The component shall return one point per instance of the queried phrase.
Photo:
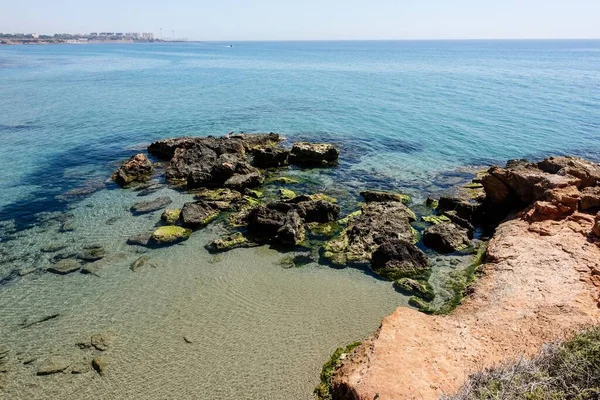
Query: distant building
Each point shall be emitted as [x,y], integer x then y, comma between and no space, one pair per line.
[148,36]
[35,35]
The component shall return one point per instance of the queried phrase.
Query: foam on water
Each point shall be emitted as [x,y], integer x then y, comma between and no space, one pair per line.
[405,114]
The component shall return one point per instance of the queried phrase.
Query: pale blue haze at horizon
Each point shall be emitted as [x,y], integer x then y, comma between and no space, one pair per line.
[233,20]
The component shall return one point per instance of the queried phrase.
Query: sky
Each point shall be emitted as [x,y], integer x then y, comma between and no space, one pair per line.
[232,20]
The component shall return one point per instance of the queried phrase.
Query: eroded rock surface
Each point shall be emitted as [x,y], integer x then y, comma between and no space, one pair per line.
[137,169]
[542,281]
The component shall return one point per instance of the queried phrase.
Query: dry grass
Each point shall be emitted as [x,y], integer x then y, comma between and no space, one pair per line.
[567,370]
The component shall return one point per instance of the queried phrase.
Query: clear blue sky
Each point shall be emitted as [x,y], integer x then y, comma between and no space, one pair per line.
[310,19]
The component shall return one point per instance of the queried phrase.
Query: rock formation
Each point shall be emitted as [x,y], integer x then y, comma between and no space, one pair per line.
[541,282]
[137,169]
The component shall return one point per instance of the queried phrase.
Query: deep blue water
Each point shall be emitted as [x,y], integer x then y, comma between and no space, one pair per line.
[400,110]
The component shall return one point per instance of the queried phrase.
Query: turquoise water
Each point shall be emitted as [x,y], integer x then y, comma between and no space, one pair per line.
[407,115]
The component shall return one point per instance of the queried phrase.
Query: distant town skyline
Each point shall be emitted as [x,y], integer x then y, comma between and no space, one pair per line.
[311,19]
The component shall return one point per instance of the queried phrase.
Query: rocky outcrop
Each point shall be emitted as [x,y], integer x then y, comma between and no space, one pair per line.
[553,188]
[542,281]
[446,237]
[270,157]
[137,169]
[377,223]
[313,154]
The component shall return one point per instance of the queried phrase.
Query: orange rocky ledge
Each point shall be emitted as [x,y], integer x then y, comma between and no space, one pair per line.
[540,283]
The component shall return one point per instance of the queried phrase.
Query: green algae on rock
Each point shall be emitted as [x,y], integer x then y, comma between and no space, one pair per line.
[282,180]
[324,197]
[323,390]
[286,194]
[170,216]
[435,219]
[170,234]
[379,196]
[229,242]
[220,194]
[411,287]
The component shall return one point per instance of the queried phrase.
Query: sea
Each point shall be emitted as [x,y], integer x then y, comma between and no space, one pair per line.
[416,117]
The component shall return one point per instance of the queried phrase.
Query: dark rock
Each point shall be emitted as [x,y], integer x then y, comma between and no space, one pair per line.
[465,209]
[292,231]
[270,157]
[241,182]
[463,223]
[396,258]
[318,211]
[378,220]
[446,238]
[375,195]
[144,207]
[137,169]
[590,198]
[197,214]
[265,222]
[196,159]
[313,154]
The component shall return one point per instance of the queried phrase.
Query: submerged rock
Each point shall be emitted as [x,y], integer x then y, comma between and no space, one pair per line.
[141,239]
[144,207]
[137,169]
[197,214]
[92,253]
[170,234]
[411,287]
[446,238]
[313,154]
[53,365]
[100,364]
[66,266]
[229,242]
[140,263]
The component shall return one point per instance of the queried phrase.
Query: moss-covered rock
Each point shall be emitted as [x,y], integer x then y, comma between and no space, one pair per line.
[222,194]
[323,390]
[435,219]
[378,195]
[415,288]
[324,197]
[286,194]
[170,216]
[229,242]
[346,220]
[282,180]
[327,229]
[419,304]
[170,234]
[254,193]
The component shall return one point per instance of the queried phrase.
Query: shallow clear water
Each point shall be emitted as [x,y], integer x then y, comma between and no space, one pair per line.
[406,115]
